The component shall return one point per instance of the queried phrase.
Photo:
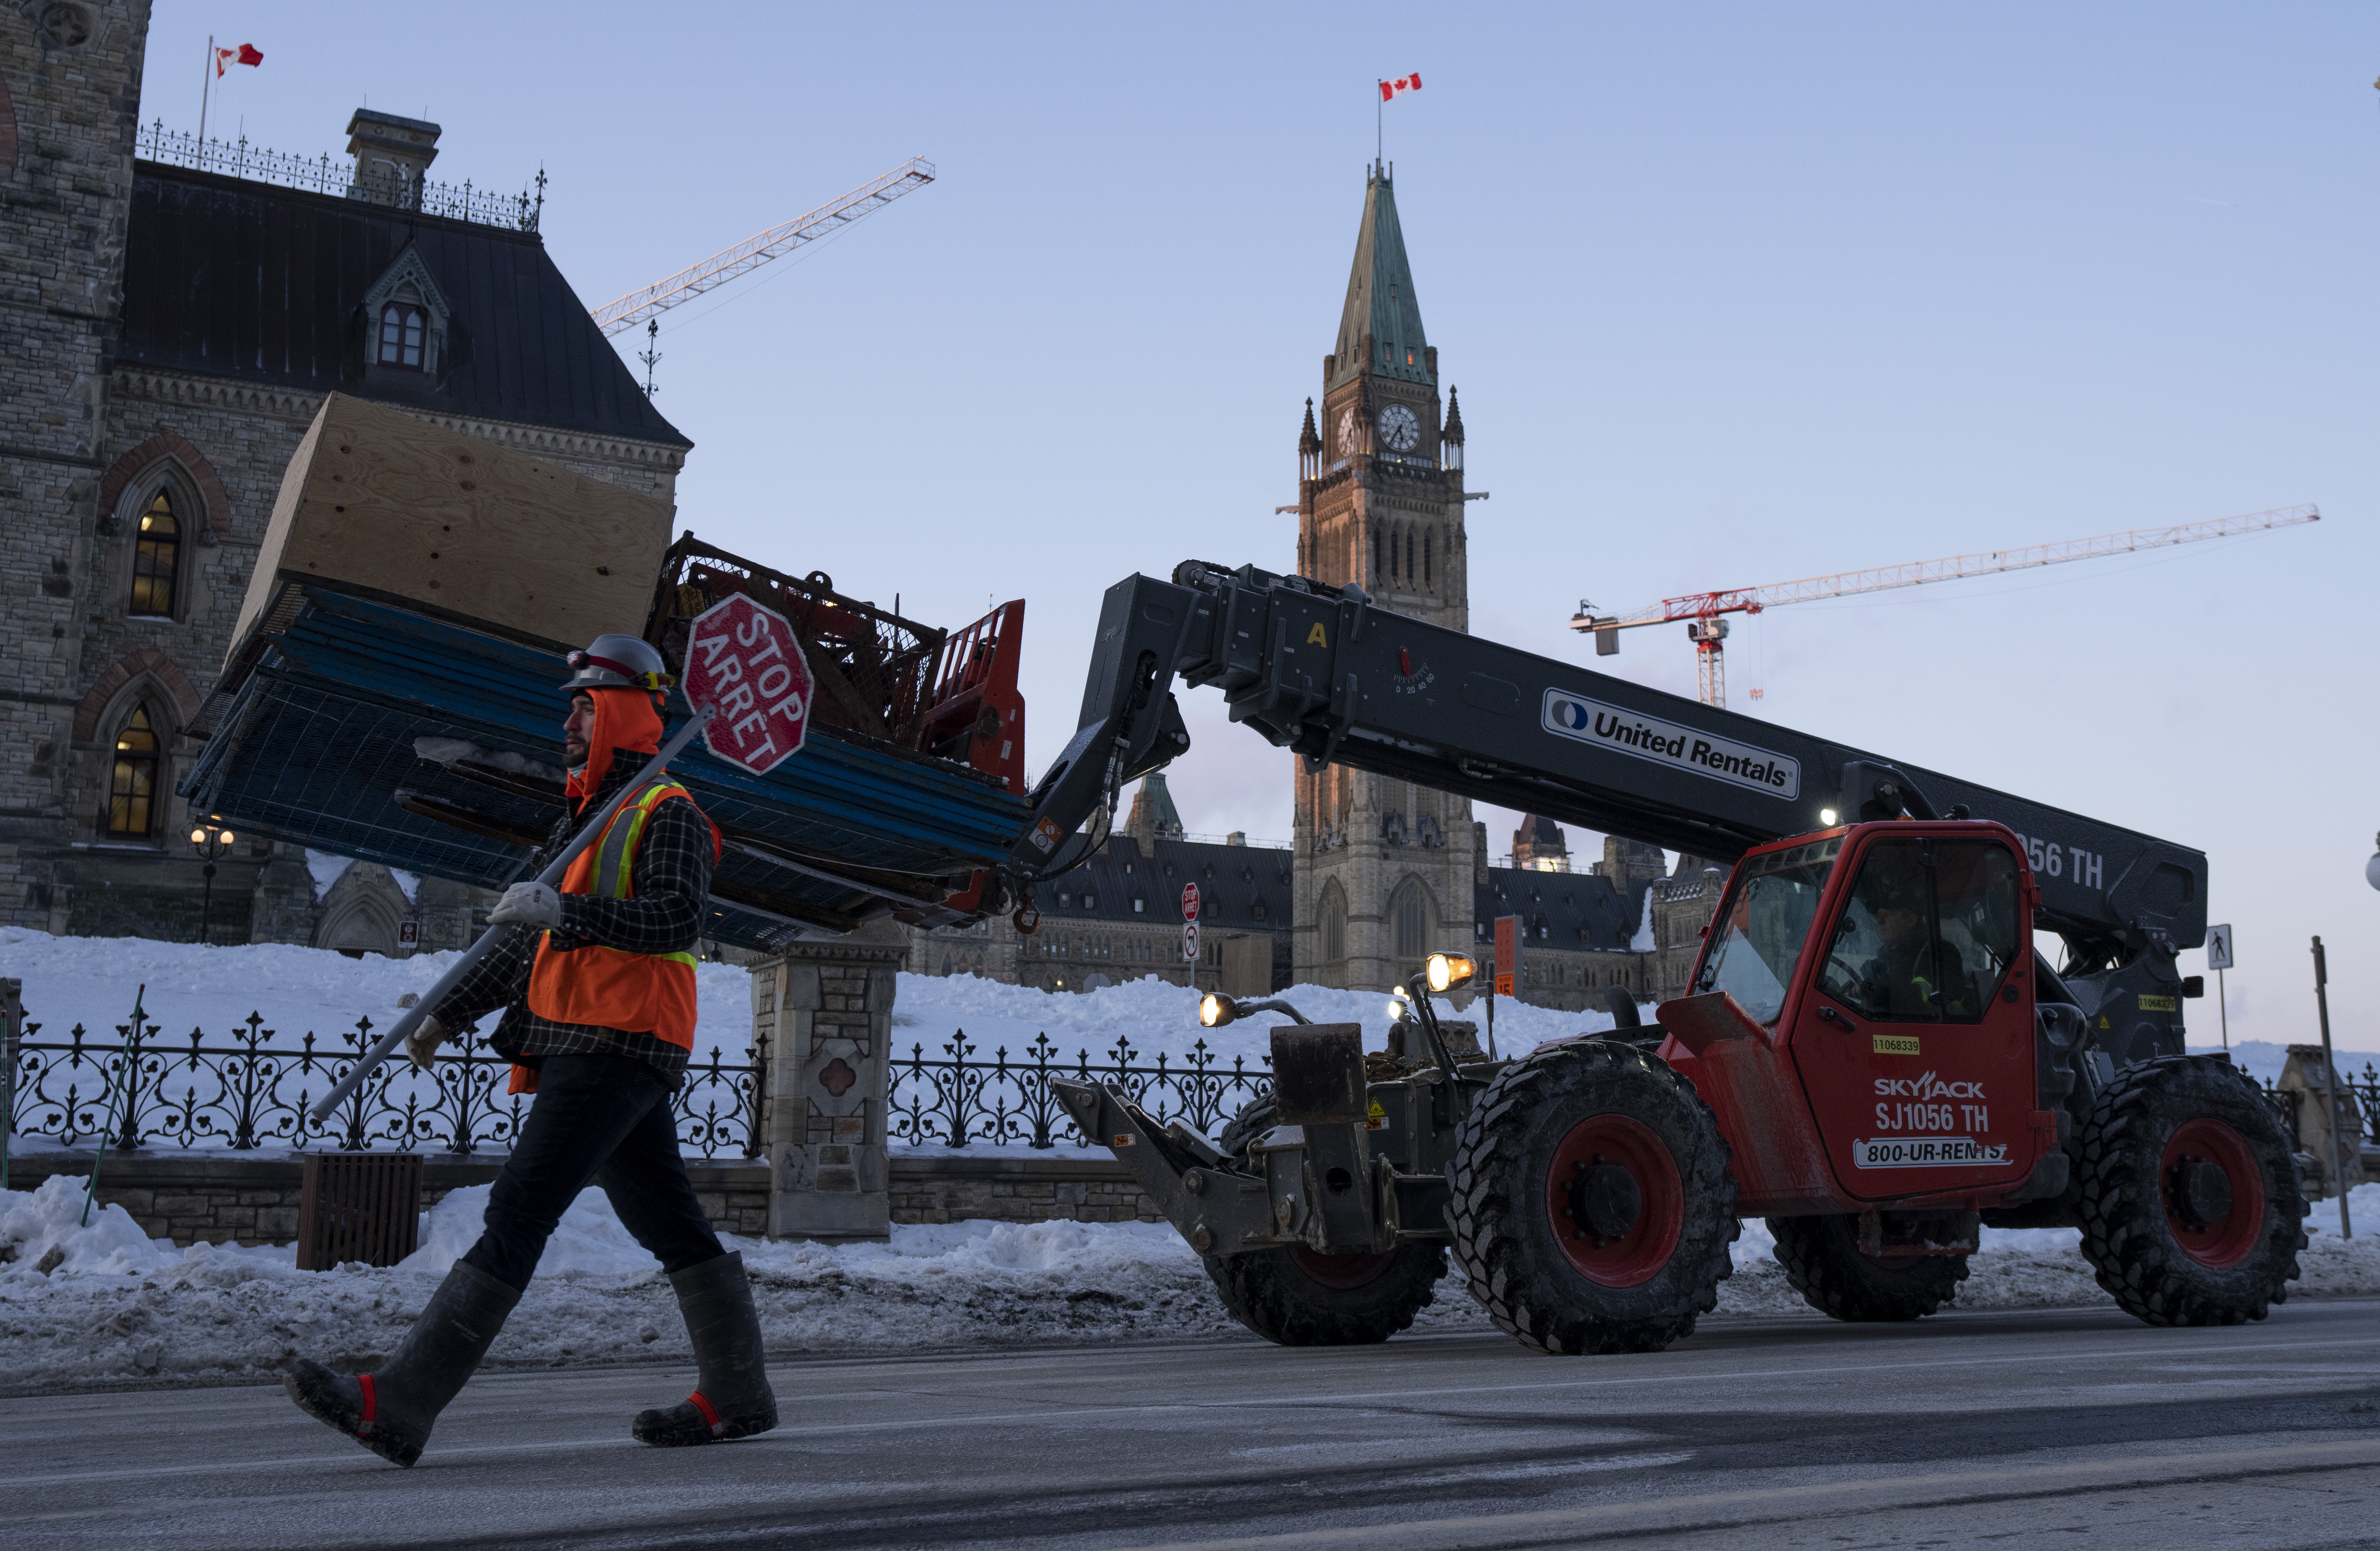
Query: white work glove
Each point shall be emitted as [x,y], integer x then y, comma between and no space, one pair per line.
[423,1042]
[527,905]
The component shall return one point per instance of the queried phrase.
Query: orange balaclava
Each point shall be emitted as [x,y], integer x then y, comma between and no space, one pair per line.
[624,719]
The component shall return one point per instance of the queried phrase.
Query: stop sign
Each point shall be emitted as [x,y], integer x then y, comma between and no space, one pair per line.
[1189,901]
[744,661]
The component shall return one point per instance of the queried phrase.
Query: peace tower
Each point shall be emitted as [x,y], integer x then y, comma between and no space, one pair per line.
[1383,871]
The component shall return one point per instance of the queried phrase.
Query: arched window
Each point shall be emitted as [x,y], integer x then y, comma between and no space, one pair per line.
[1334,924]
[1426,580]
[1410,912]
[1375,556]
[1409,566]
[156,558]
[134,782]
[402,326]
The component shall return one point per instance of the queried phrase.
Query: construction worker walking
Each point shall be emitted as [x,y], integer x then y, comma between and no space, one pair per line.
[597,981]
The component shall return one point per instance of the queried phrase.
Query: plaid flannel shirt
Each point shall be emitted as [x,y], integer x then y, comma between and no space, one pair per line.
[672,879]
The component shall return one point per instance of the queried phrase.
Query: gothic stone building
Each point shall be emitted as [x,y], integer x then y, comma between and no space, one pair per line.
[1384,869]
[166,334]
[1118,917]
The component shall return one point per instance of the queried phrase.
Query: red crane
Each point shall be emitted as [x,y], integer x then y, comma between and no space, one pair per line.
[1702,612]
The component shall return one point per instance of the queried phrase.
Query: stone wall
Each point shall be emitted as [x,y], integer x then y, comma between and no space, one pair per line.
[69,97]
[253,1198]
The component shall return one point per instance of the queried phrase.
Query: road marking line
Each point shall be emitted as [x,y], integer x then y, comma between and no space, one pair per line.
[1723,1509]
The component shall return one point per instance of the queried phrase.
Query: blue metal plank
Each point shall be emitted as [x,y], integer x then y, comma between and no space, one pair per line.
[319,737]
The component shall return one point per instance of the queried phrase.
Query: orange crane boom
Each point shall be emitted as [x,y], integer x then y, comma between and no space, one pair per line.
[1700,612]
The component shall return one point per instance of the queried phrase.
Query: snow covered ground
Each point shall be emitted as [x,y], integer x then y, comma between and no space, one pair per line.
[104,1305]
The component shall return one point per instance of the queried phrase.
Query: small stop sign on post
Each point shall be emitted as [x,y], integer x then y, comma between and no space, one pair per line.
[1189,901]
[743,659]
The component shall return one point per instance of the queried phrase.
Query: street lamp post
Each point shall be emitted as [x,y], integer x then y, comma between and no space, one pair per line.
[210,839]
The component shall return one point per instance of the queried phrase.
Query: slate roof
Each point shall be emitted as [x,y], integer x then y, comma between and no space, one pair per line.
[1577,911]
[1241,888]
[223,277]
[1381,298]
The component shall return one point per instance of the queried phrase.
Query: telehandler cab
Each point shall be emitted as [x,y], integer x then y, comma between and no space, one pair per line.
[1872,1053]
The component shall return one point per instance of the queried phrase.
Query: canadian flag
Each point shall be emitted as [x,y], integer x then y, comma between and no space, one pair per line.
[248,54]
[1392,90]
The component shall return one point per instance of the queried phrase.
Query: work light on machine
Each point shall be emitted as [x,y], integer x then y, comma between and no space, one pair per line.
[1446,970]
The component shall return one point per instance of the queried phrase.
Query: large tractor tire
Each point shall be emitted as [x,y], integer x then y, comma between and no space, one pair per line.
[1298,1298]
[2191,1206]
[1824,1264]
[1592,1203]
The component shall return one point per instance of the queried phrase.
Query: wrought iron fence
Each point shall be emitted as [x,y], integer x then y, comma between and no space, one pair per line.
[2364,1090]
[956,1099]
[323,176]
[249,1091]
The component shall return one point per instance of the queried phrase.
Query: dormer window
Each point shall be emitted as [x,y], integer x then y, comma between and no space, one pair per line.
[403,327]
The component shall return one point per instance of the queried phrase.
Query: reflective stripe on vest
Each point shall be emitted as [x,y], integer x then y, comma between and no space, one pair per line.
[608,987]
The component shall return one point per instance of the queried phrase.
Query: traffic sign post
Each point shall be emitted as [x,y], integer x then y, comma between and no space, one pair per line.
[2218,959]
[1190,931]
[1500,974]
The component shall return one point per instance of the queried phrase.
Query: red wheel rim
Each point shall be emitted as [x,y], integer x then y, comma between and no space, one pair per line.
[1637,1254]
[2212,1240]
[1340,1272]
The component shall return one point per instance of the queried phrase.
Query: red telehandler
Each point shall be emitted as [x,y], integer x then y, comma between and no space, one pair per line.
[1871,1055]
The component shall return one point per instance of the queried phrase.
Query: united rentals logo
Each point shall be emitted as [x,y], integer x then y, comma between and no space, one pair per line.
[1587,721]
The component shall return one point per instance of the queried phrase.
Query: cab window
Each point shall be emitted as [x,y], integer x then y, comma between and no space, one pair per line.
[1757,936]
[1927,932]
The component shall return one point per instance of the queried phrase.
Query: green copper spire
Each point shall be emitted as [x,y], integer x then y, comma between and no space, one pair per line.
[1381,298]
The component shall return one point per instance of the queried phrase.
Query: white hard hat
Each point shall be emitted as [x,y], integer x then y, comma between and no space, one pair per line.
[616,661]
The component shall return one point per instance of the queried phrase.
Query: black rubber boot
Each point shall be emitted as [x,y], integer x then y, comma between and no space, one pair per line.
[392,1410]
[732,1398]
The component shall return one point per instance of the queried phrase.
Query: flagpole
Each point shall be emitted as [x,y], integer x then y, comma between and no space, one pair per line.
[1378,113]
[206,84]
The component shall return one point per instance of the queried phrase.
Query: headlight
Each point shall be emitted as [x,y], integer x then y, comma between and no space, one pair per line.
[1447,971]
[1827,818]
[1215,1009]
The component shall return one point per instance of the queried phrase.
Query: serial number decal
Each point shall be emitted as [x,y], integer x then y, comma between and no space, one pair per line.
[2156,1004]
[1895,1044]
[2053,861]
[1926,1151]
[1608,726]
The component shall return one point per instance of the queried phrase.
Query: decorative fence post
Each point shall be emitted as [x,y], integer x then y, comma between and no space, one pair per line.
[828,1031]
[12,1023]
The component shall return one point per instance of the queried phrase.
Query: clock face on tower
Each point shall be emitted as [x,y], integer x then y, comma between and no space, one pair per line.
[1347,431]
[1400,428]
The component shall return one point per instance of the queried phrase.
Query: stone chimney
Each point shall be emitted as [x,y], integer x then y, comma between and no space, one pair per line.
[392,154]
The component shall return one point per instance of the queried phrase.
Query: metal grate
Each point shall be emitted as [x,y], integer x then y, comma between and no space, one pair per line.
[358,1206]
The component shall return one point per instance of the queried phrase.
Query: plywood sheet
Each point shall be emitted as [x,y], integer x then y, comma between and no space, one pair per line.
[381,499]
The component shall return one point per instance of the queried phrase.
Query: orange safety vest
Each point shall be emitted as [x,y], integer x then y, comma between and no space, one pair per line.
[641,992]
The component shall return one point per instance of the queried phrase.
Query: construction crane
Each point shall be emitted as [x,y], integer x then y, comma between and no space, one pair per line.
[1703,612]
[639,306]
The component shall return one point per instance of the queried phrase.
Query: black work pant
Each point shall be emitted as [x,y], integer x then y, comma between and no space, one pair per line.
[603,1120]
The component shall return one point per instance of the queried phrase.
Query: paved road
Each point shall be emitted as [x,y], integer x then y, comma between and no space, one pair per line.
[1967,1428]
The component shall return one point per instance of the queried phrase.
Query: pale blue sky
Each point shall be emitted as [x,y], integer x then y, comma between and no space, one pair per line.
[1733,294]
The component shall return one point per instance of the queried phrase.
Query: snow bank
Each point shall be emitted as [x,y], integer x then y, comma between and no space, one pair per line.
[90,981]
[115,1307]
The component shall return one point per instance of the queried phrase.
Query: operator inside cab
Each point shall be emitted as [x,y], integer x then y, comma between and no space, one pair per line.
[1927,932]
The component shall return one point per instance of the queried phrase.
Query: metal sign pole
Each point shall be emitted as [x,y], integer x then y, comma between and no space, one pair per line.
[107,1110]
[551,877]
[2339,1141]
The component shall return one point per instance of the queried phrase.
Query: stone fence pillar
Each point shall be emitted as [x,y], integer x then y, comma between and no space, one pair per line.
[822,1028]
